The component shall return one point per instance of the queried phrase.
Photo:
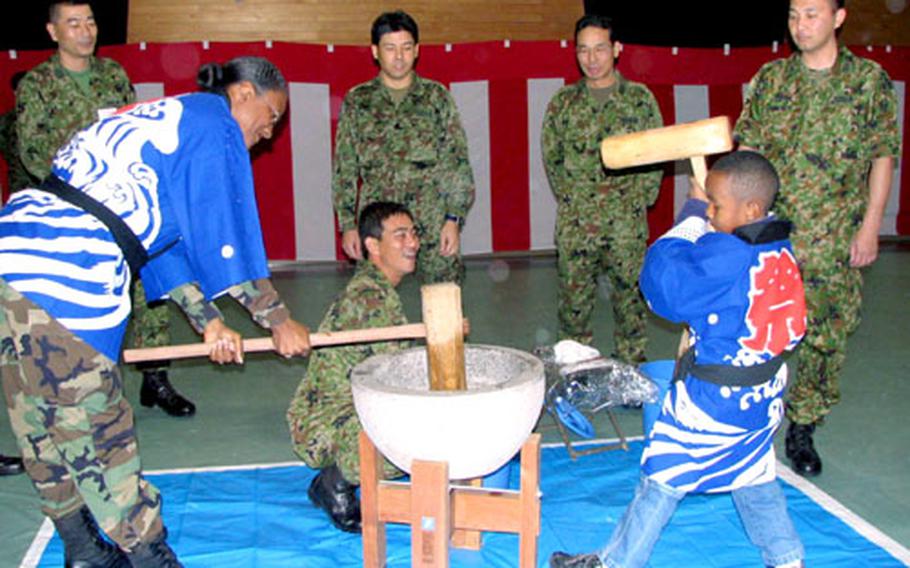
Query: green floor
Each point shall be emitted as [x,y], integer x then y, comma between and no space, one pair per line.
[240,418]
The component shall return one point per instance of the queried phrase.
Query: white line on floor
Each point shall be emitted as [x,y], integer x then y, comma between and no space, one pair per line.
[833,506]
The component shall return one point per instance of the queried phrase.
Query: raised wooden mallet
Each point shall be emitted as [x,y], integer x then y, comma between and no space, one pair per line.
[691,140]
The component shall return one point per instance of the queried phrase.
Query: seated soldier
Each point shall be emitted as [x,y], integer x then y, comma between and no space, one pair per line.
[323,423]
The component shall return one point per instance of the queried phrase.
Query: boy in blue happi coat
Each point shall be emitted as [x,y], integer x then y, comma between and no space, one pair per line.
[727,270]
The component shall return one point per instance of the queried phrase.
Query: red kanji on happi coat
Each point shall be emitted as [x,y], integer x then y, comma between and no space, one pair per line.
[777,306]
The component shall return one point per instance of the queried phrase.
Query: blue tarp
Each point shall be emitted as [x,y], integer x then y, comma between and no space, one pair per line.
[262,517]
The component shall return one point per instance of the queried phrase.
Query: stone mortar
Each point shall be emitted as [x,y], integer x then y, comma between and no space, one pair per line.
[475,431]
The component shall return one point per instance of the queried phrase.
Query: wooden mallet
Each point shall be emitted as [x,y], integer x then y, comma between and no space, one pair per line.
[444,329]
[445,336]
[260,344]
[692,140]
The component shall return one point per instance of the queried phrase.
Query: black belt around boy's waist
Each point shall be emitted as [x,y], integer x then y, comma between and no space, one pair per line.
[727,375]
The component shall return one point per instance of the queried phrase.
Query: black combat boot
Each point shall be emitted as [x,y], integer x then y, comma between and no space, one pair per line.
[157,390]
[154,554]
[333,494]
[804,460]
[563,560]
[10,465]
[83,545]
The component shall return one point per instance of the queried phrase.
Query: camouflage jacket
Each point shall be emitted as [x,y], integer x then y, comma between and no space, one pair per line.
[574,126]
[413,153]
[369,300]
[51,107]
[821,130]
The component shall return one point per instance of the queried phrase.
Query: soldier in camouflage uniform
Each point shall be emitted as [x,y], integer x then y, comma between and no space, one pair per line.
[400,137]
[55,100]
[601,223]
[323,423]
[827,120]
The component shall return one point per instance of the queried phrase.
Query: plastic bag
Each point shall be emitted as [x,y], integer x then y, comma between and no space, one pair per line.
[589,384]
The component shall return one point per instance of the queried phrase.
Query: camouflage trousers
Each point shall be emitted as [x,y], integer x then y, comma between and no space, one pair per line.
[833,301]
[325,430]
[72,424]
[614,247]
[149,326]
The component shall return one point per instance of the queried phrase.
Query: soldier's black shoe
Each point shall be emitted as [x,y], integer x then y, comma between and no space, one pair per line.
[157,391]
[804,460]
[563,560]
[10,465]
[155,554]
[333,494]
[83,545]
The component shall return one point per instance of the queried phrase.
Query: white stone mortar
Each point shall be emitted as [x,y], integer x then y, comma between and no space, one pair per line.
[475,431]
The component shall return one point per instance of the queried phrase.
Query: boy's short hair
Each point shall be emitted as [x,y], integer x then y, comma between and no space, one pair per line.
[752,176]
[371,218]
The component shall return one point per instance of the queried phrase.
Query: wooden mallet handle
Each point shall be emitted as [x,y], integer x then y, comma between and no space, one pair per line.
[185,351]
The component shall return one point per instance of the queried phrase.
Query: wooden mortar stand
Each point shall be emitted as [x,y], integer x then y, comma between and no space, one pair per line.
[436,510]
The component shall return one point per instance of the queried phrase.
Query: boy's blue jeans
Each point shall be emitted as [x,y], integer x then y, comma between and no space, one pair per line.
[762,509]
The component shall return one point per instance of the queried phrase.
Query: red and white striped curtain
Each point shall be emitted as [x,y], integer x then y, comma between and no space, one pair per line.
[502,90]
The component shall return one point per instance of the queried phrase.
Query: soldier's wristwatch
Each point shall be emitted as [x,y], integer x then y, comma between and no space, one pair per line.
[450,217]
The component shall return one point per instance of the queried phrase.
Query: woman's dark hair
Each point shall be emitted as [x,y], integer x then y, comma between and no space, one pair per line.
[262,73]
